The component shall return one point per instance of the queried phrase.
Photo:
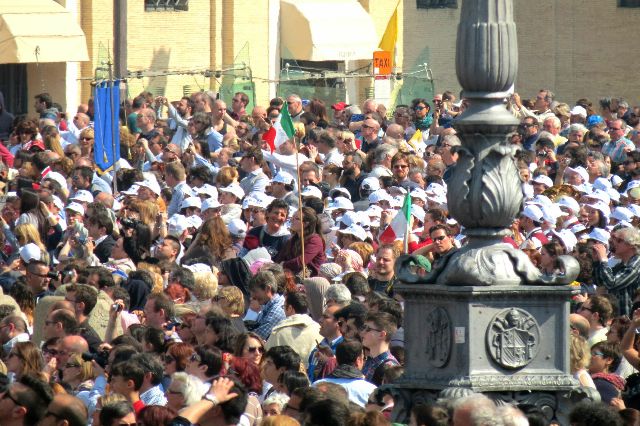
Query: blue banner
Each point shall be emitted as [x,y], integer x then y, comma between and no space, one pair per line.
[106,148]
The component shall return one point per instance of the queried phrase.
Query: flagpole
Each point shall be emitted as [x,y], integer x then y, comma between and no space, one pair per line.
[408,230]
[301,218]
[114,120]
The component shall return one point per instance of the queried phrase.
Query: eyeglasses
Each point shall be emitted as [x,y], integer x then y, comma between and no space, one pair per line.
[86,139]
[195,358]
[367,329]
[254,349]
[527,124]
[440,238]
[400,166]
[600,354]
[168,359]
[419,108]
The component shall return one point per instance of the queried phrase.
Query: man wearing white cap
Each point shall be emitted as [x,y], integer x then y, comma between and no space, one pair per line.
[530,222]
[541,183]
[282,188]
[148,190]
[231,194]
[578,115]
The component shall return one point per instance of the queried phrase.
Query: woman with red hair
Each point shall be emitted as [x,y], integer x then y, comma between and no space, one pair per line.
[176,357]
[249,374]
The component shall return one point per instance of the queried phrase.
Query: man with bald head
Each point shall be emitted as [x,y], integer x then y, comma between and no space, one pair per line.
[259,116]
[65,409]
[13,329]
[69,346]
[395,131]
[78,124]
[369,134]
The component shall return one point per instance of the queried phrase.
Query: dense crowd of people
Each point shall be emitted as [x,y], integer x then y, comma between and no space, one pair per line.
[212,277]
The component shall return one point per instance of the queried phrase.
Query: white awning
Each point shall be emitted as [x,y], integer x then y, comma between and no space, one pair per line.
[326,30]
[39,31]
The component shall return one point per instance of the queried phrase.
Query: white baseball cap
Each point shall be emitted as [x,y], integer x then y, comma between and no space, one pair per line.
[578,110]
[83,196]
[370,184]
[177,224]
[194,221]
[210,203]
[339,192]
[378,196]
[75,207]
[235,189]
[58,178]
[283,177]
[312,191]
[533,212]
[569,203]
[418,212]
[355,230]
[207,189]
[191,202]
[544,180]
[151,184]
[600,235]
[340,203]
[601,207]
[622,214]
[29,252]
[237,228]
[579,170]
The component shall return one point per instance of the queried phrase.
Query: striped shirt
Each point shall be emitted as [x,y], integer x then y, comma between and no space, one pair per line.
[621,281]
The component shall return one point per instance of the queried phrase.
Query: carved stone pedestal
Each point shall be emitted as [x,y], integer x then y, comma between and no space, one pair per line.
[508,342]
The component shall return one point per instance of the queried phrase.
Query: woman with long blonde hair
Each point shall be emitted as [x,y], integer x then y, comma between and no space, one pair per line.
[86,140]
[213,242]
[51,139]
[25,359]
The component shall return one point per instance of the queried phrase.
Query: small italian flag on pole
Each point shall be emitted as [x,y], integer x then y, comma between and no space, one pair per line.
[399,226]
[280,132]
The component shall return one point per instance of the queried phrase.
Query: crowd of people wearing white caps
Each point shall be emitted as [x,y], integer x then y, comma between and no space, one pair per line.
[220,275]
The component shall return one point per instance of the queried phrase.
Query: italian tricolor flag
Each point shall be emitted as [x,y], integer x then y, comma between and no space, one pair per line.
[399,226]
[281,131]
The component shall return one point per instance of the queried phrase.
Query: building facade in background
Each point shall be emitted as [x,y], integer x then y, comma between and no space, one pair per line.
[323,48]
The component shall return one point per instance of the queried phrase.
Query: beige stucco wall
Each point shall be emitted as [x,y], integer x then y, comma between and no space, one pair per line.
[577,48]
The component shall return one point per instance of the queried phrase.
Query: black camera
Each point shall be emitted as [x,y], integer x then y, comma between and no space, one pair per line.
[129,223]
[54,275]
[102,358]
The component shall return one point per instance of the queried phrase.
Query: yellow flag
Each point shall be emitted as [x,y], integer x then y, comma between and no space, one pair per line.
[388,42]
[415,139]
